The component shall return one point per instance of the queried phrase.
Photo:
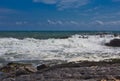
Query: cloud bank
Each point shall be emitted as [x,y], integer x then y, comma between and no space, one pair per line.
[46,1]
[64,4]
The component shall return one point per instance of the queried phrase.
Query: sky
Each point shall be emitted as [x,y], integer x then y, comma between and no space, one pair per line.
[52,15]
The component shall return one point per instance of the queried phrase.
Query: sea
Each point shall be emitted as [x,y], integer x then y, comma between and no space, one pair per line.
[56,46]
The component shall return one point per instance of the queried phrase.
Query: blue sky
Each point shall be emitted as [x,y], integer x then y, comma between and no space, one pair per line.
[60,15]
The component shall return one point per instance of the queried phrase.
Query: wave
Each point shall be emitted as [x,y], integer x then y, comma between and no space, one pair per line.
[75,48]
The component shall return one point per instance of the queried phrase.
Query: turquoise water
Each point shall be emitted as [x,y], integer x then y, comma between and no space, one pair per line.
[46,34]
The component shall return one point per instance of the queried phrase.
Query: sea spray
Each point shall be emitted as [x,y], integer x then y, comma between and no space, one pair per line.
[73,48]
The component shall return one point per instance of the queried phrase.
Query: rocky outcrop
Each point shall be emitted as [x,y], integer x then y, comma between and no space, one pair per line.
[18,69]
[83,71]
[80,71]
[114,43]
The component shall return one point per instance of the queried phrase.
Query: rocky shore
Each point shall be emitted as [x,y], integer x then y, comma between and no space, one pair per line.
[80,71]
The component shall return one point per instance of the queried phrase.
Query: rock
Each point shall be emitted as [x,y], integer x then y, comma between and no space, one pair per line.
[114,43]
[5,76]
[86,71]
[2,75]
[31,69]
[9,79]
[43,66]
[18,68]
[116,35]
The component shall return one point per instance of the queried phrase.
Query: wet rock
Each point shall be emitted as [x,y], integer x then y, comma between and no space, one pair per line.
[114,43]
[2,75]
[31,69]
[82,71]
[116,35]
[43,66]
[18,68]
[9,79]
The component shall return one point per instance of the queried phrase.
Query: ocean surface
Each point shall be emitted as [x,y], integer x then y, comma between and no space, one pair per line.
[48,46]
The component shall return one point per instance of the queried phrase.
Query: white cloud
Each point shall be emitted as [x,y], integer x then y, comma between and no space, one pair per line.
[113,22]
[51,22]
[21,22]
[74,22]
[7,11]
[55,22]
[105,23]
[64,4]
[99,22]
[60,22]
[46,1]
[115,0]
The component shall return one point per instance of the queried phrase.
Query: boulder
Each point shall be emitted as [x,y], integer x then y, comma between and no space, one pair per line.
[18,68]
[43,66]
[114,43]
[116,35]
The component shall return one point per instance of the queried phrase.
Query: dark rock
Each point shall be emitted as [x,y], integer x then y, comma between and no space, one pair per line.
[9,79]
[43,66]
[2,75]
[64,37]
[115,35]
[114,43]
[18,68]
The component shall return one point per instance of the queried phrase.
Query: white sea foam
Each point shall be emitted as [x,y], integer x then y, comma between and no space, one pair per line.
[71,49]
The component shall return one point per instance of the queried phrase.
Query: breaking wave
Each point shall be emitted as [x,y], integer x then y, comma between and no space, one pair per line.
[74,48]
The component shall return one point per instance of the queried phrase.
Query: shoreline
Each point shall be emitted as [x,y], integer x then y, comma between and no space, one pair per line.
[72,71]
